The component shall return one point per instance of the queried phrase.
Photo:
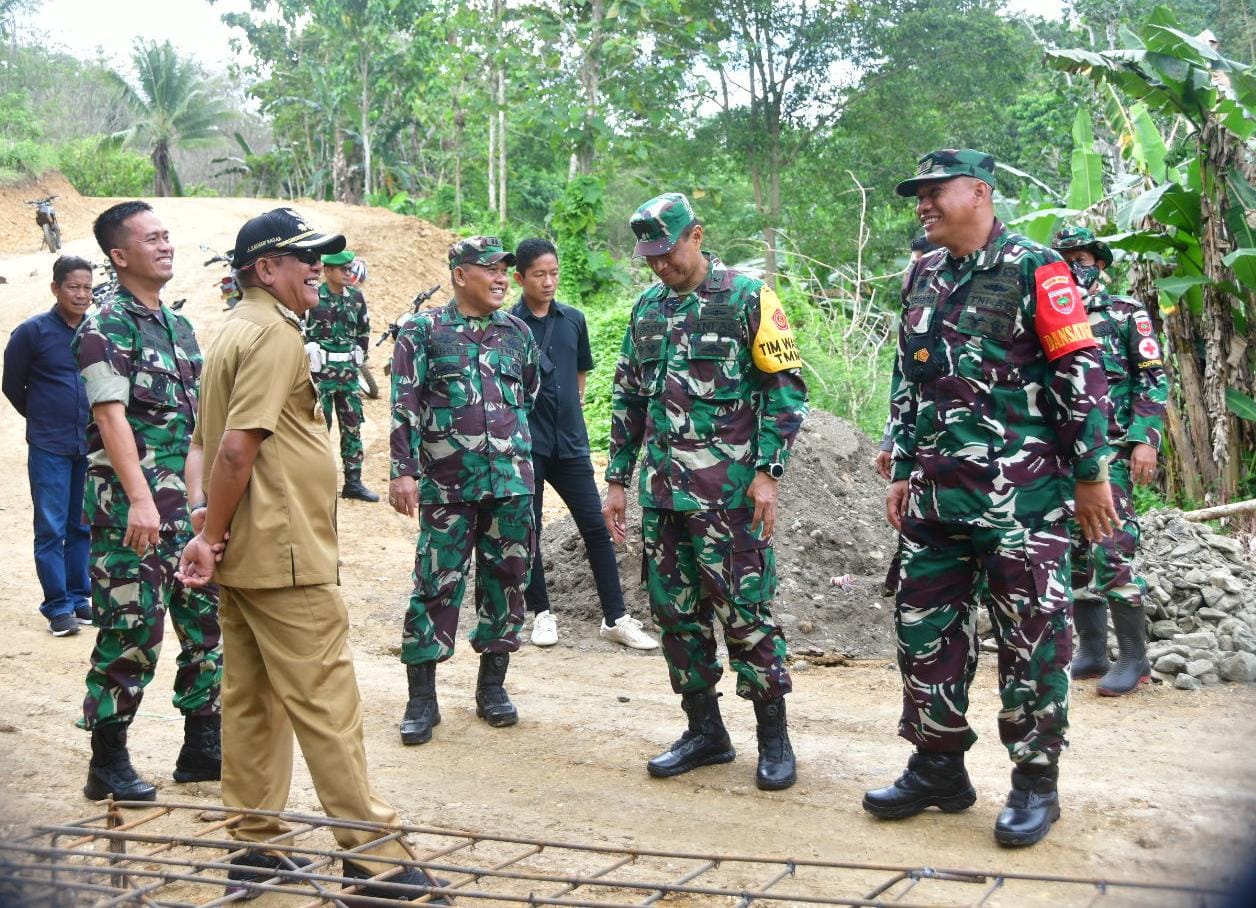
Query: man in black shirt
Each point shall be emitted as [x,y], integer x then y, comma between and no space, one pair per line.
[560,445]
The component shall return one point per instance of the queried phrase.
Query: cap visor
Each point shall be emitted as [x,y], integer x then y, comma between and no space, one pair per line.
[321,243]
[653,247]
[908,188]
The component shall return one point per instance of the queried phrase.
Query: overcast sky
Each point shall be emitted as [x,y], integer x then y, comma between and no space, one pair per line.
[193,26]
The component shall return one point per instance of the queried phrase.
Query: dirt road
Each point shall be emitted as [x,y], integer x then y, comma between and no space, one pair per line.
[1155,786]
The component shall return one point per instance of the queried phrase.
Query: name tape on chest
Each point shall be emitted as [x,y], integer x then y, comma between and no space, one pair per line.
[774,348]
[1060,318]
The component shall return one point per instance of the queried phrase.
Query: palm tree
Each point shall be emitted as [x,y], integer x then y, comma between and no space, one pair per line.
[175,107]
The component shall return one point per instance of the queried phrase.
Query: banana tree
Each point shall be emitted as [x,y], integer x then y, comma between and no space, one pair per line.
[1190,226]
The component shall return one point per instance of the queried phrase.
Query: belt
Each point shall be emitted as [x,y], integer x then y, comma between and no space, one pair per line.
[337,357]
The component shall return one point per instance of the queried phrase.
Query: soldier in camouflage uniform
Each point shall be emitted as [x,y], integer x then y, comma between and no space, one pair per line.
[464,377]
[337,332]
[709,381]
[1103,572]
[140,365]
[998,416]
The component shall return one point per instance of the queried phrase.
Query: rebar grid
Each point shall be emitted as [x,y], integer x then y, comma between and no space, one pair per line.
[142,853]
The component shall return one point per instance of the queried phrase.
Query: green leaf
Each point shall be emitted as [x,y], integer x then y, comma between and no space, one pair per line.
[1144,241]
[1148,146]
[1179,207]
[1240,404]
[1177,285]
[1241,214]
[1131,214]
[1086,187]
[1243,263]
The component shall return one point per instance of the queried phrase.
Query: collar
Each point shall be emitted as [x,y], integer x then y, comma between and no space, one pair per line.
[718,278]
[263,298]
[983,259]
[450,315]
[521,310]
[1097,301]
[56,314]
[126,299]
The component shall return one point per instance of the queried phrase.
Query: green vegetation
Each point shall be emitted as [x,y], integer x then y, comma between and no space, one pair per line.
[787,123]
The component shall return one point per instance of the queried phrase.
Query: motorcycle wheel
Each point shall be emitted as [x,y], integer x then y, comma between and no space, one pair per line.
[366,381]
[52,237]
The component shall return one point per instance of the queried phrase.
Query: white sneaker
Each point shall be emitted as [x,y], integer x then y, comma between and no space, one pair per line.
[545,629]
[627,630]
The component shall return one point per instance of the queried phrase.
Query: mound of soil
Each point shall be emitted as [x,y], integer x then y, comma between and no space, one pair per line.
[832,549]
[20,234]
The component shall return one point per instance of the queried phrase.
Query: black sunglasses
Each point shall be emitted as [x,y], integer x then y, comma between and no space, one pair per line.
[304,256]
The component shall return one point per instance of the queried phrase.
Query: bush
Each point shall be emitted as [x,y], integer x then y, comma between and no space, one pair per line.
[97,167]
[608,320]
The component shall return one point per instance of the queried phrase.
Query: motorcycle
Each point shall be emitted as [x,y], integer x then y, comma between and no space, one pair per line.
[104,291]
[46,218]
[228,286]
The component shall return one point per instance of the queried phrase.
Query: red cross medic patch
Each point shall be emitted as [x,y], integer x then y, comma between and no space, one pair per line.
[1060,317]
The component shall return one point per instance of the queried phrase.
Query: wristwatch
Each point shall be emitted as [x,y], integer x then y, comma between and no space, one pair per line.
[775,470]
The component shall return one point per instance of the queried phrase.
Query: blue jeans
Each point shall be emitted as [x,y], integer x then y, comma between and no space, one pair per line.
[62,541]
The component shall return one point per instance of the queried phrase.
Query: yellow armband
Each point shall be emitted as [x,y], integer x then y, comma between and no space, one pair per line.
[774,348]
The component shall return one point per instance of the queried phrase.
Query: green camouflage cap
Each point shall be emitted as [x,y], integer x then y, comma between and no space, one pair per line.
[947,163]
[479,250]
[343,257]
[1082,238]
[659,223]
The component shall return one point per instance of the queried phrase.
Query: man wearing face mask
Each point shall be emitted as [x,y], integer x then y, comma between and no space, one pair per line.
[1103,572]
[464,378]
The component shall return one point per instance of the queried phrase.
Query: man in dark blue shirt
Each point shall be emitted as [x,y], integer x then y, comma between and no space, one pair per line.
[560,445]
[41,380]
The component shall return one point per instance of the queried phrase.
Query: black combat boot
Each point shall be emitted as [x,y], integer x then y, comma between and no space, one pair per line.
[110,773]
[1032,806]
[704,743]
[776,757]
[492,703]
[1090,651]
[932,779]
[422,713]
[405,884]
[354,488]
[1131,666]
[200,758]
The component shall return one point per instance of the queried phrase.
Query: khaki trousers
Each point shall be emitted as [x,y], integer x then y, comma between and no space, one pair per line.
[287,667]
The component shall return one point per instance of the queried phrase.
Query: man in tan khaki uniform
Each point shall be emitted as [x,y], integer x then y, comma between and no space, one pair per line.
[269,536]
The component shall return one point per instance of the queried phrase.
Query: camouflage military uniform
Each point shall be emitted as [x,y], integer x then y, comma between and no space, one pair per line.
[990,445]
[461,391]
[149,361]
[1138,391]
[690,387]
[339,324]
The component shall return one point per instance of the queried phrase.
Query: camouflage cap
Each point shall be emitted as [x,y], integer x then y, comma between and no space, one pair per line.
[946,164]
[479,250]
[1081,238]
[280,230]
[343,257]
[659,223]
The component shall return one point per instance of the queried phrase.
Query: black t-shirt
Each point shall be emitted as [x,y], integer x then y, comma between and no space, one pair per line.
[557,421]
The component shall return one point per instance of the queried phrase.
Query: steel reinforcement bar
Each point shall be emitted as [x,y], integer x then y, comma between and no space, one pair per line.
[177,854]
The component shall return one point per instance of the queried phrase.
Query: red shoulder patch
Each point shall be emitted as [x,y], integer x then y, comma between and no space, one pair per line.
[1059,317]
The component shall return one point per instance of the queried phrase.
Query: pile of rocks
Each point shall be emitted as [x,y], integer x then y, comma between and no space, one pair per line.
[1201,602]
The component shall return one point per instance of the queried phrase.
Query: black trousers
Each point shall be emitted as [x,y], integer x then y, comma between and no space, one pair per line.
[572,479]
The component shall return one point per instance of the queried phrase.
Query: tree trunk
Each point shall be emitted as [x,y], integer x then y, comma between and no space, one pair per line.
[492,163]
[162,165]
[339,168]
[591,86]
[501,146]
[366,123]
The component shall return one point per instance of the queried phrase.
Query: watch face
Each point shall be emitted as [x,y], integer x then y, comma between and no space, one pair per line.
[775,470]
